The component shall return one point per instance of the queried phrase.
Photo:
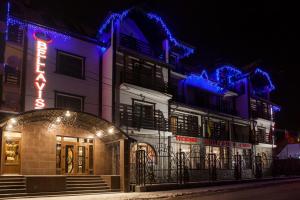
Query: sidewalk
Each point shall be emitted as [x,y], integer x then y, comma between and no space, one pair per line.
[165,194]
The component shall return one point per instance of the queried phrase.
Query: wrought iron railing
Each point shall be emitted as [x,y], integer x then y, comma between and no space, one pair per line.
[263,137]
[149,81]
[176,166]
[136,45]
[185,125]
[131,118]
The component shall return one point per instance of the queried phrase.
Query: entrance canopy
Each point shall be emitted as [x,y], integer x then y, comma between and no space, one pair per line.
[54,118]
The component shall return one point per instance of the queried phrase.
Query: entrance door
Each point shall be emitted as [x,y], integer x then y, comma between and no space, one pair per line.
[75,158]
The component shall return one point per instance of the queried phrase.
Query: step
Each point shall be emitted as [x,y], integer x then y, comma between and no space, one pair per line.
[12,183]
[83,177]
[87,188]
[5,196]
[12,179]
[87,191]
[87,185]
[77,178]
[12,191]
[12,186]
[85,182]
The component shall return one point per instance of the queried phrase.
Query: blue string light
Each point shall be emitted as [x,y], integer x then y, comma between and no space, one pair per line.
[204,74]
[7,17]
[276,108]
[157,19]
[117,17]
[199,81]
[270,87]
[111,18]
[231,73]
[14,21]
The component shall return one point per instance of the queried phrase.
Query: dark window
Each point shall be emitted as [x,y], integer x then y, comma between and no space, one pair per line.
[11,75]
[143,115]
[15,34]
[72,102]
[70,65]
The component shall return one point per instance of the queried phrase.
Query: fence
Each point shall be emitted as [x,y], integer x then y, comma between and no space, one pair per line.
[171,165]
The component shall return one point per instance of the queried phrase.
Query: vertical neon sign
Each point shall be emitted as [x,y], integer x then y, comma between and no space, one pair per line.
[40,65]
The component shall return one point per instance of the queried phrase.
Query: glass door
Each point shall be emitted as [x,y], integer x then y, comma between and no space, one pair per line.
[69,158]
[75,158]
[82,159]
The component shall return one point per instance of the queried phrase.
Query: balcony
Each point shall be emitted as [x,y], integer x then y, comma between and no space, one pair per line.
[261,109]
[261,114]
[140,47]
[144,75]
[263,137]
[186,125]
[131,117]
[216,130]
[11,75]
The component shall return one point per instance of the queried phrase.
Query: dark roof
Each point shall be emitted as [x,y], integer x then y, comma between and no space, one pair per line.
[57,20]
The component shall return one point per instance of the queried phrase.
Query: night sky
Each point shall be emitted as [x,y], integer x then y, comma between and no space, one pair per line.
[262,33]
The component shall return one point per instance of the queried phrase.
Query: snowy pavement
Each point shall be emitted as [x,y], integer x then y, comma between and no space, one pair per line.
[162,194]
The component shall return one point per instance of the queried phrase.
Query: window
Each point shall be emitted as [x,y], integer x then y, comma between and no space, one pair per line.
[73,102]
[174,124]
[15,34]
[70,65]
[143,114]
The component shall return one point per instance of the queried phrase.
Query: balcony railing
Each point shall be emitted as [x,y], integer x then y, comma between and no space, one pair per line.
[185,125]
[263,137]
[223,108]
[11,75]
[216,131]
[131,118]
[261,114]
[146,80]
[261,109]
[139,46]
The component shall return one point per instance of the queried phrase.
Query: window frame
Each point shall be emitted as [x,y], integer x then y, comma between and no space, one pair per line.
[58,51]
[56,93]
[20,30]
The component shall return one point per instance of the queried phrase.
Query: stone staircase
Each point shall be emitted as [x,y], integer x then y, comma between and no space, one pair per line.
[12,186]
[86,184]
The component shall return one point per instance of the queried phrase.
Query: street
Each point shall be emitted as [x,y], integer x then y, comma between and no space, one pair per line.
[274,190]
[277,192]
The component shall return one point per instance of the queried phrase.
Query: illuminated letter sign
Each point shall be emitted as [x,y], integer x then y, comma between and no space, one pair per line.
[40,64]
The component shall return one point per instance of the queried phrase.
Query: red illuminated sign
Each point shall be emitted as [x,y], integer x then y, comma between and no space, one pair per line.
[210,142]
[40,64]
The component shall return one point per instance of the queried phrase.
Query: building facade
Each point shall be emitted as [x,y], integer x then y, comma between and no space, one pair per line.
[122,104]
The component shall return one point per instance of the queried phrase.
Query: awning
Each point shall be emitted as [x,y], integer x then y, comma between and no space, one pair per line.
[54,117]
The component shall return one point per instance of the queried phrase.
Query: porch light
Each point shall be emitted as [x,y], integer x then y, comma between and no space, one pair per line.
[9,126]
[12,121]
[100,133]
[58,119]
[110,130]
[68,114]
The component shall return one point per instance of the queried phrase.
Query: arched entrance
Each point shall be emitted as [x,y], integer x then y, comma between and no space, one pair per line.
[62,142]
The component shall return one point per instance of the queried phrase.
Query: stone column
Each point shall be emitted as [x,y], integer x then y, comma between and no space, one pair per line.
[124,165]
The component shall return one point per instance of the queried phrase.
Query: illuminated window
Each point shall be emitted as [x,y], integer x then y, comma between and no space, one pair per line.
[69,101]
[12,151]
[70,64]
